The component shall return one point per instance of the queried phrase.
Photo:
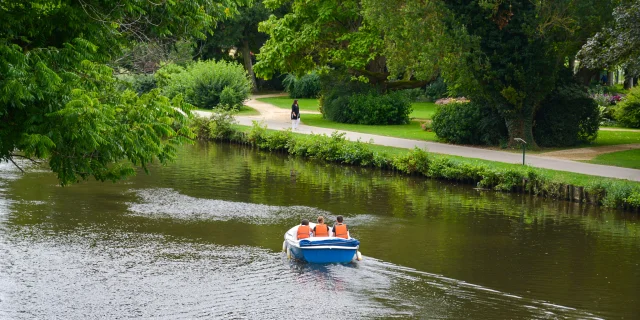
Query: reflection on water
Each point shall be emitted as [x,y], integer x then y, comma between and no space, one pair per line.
[201,239]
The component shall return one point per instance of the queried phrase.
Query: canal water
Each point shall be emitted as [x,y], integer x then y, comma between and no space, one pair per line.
[202,238]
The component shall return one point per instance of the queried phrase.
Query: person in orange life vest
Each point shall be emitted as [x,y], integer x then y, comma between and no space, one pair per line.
[321,229]
[340,229]
[304,231]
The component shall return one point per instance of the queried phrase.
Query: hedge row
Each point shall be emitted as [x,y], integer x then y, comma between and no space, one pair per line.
[336,148]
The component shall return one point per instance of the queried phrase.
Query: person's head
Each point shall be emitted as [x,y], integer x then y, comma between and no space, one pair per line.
[295,101]
[339,219]
[320,219]
[304,222]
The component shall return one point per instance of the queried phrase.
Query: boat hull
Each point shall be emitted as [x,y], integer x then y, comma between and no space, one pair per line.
[320,249]
[326,255]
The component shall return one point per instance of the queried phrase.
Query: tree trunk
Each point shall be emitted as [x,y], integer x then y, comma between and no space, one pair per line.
[248,65]
[628,82]
[610,81]
[521,126]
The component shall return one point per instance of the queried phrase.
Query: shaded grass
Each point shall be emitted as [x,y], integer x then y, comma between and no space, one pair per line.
[423,110]
[626,159]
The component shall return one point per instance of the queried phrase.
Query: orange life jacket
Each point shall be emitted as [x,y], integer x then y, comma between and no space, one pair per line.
[322,230]
[304,232]
[341,231]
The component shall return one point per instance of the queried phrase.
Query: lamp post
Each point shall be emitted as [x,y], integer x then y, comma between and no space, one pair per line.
[524,147]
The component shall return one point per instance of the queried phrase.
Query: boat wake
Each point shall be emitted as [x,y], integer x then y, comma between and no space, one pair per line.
[165,202]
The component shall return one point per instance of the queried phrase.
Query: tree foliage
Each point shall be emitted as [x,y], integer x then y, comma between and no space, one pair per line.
[327,34]
[58,98]
[628,111]
[206,84]
[567,116]
[618,43]
[504,53]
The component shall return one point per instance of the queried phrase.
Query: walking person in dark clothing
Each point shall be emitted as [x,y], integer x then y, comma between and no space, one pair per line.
[295,115]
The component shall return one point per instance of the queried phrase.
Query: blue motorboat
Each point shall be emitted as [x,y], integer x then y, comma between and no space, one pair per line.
[320,249]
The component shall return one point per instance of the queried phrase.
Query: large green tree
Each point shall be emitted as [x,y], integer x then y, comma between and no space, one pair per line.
[239,32]
[505,54]
[618,43]
[328,34]
[58,98]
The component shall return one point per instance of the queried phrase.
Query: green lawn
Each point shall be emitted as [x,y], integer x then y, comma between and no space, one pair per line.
[248,111]
[421,110]
[286,102]
[626,159]
[608,138]
[407,131]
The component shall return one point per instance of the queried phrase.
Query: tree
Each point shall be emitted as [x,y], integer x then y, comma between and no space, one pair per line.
[617,44]
[504,54]
[327,34]
[239,32]
[58,98]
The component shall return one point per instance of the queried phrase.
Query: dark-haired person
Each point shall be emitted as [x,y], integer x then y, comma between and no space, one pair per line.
[295,115]
[304,231]
[340,229]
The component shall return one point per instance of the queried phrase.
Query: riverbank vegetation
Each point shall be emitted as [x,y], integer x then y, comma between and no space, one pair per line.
[484,174]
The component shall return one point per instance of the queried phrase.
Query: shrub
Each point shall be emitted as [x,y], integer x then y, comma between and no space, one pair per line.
[139,82]
[218,127]
[166,71]
[469,123]
[436,90]
[307,86]
[627,112]
[348,101]
[568,116]
[204,82]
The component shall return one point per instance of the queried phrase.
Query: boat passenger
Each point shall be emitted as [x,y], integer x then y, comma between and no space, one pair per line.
[321,229]
[304,231]
[340,229]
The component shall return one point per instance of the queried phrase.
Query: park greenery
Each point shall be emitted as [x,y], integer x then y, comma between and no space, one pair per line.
[60,100]
[484,174]
[627,112]
[507,56]
[97,88]
[306,86]
[206,84]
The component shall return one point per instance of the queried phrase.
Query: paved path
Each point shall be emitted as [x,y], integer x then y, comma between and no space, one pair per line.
[278,119]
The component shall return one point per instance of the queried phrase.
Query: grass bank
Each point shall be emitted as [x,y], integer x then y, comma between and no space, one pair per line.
[485,174]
